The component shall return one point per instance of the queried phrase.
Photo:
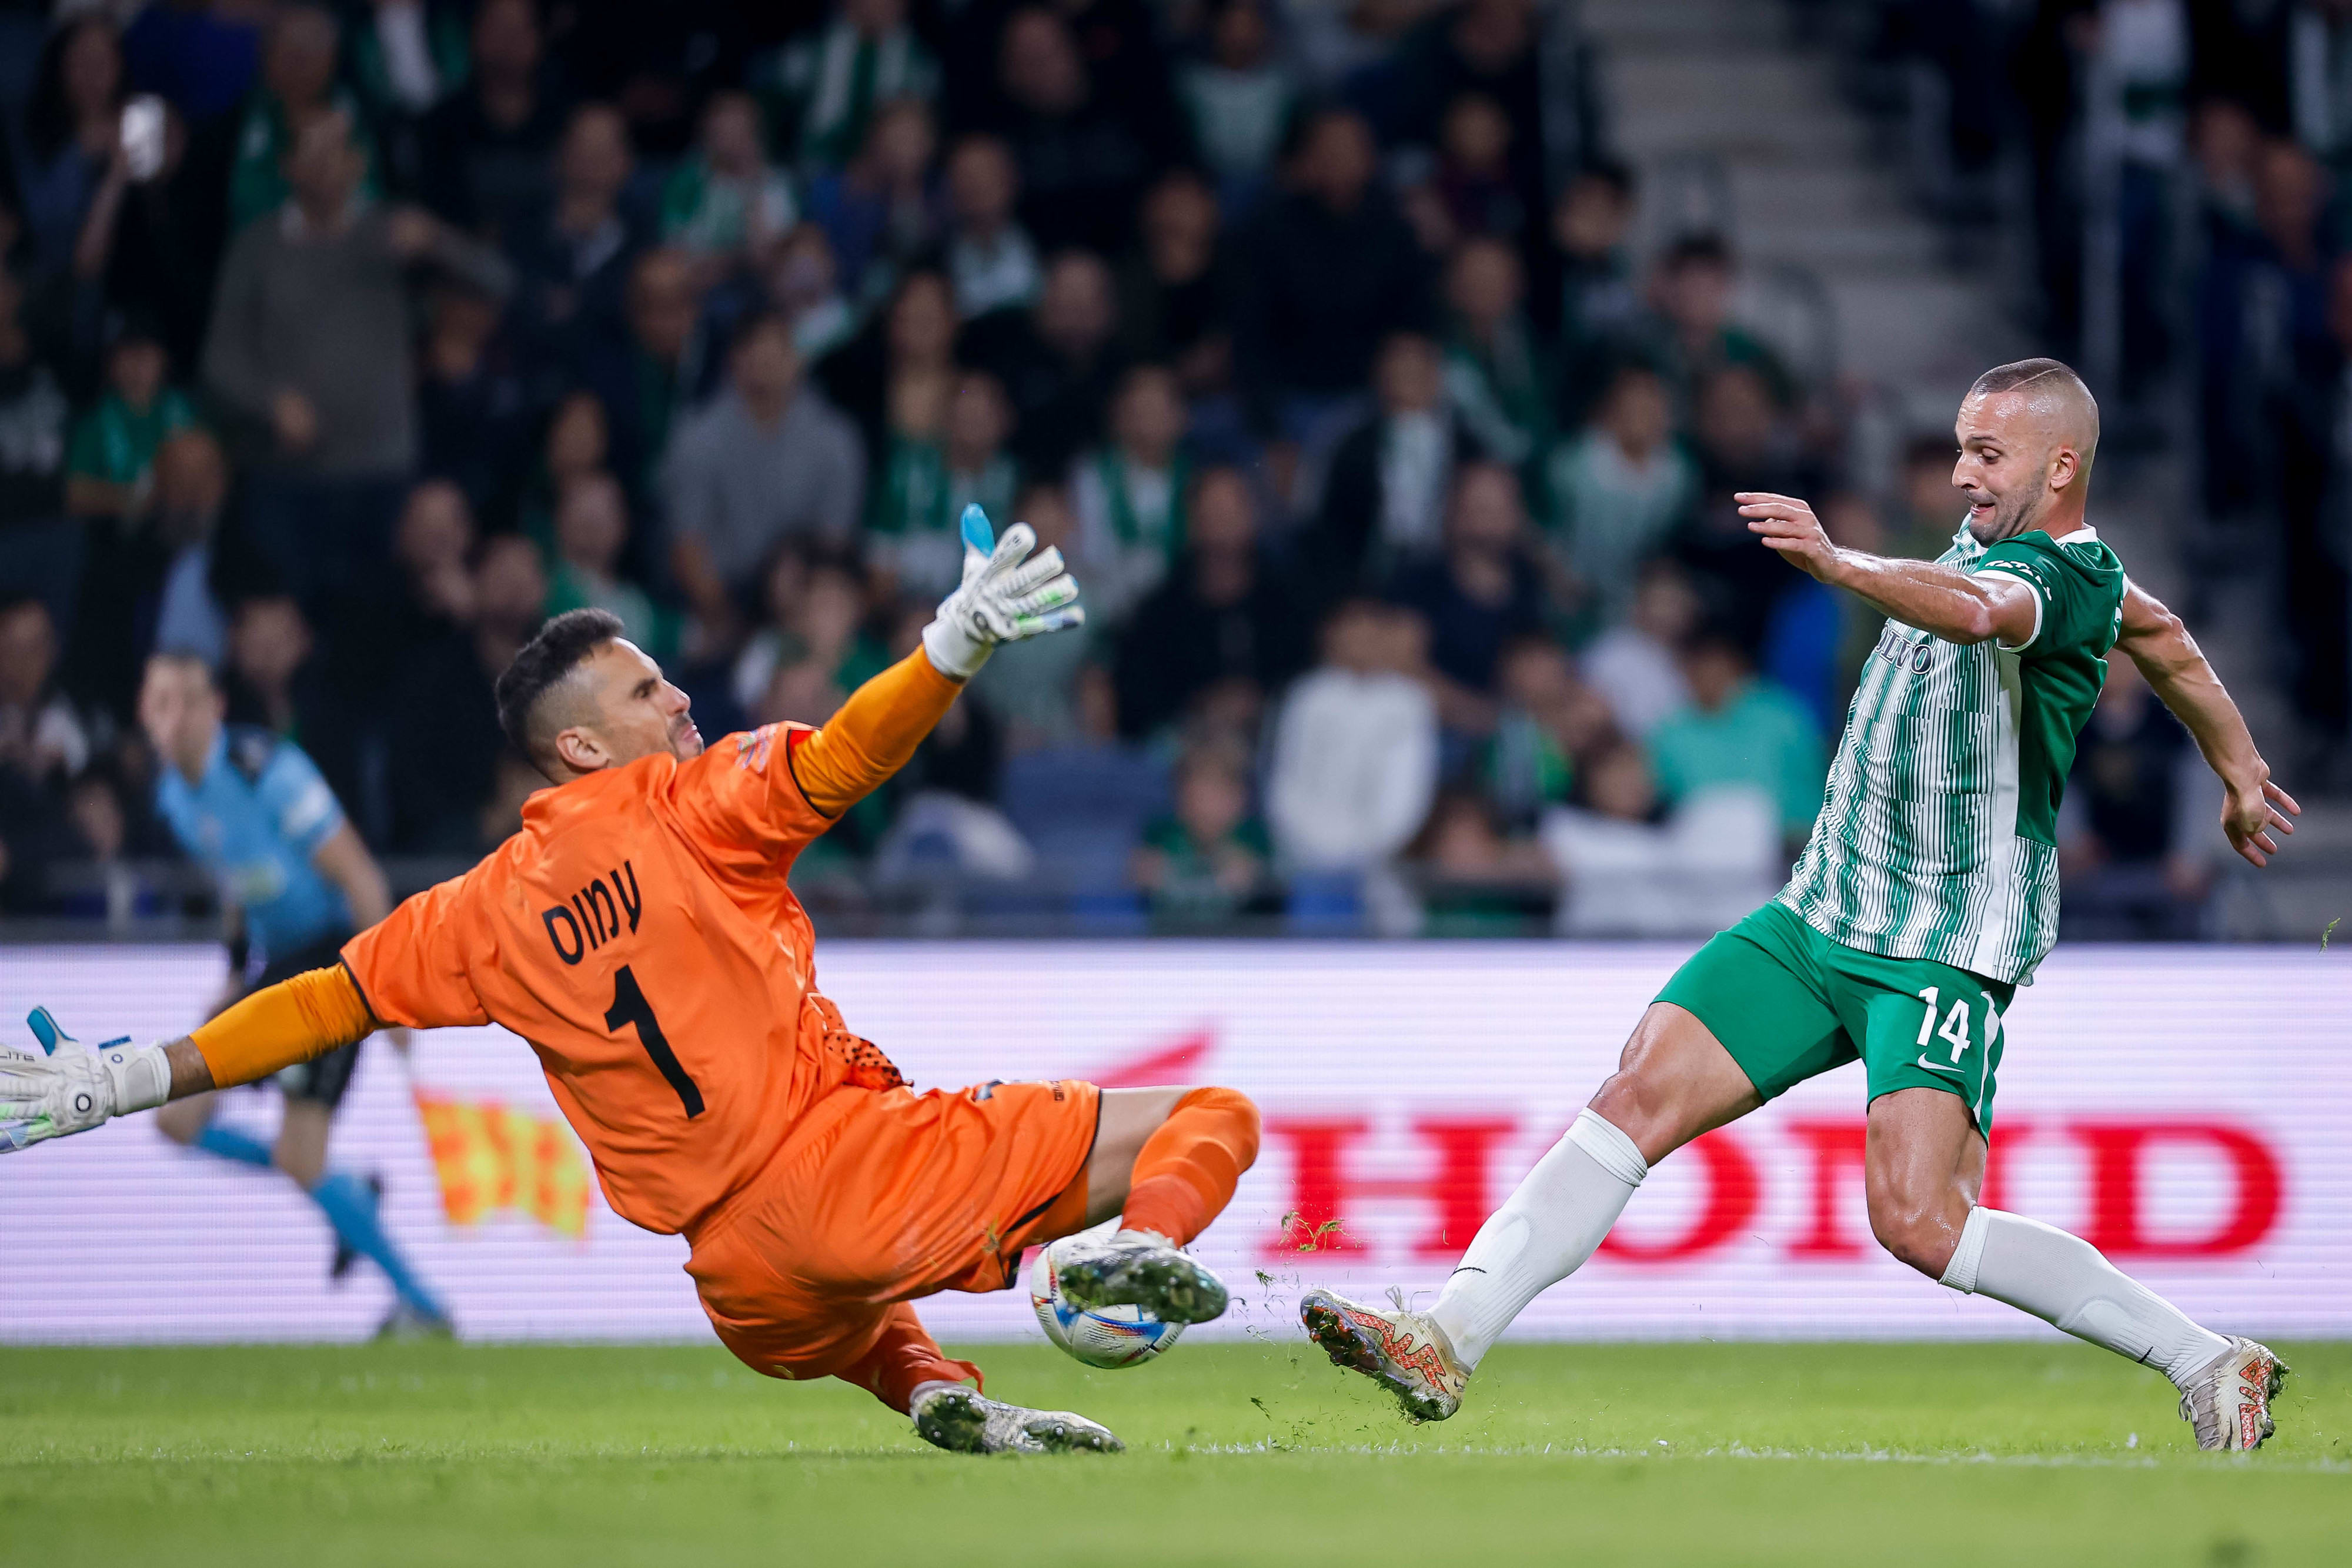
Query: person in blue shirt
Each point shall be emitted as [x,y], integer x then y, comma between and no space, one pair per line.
[253,810]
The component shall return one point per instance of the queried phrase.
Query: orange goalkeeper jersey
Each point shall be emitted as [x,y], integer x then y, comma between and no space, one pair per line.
[638,933]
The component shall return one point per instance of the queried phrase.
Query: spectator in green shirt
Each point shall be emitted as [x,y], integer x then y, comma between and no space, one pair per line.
[1618,492]
[1551,725]
[946,452]
[1694,335]
[1207,859]
[1495,371]
[298,83]
[725,204]
[592,525]
[1739,729]
[110,460]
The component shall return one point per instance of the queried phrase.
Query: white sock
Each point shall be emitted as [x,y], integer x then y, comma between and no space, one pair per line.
[2064,1282]
[1541,1235]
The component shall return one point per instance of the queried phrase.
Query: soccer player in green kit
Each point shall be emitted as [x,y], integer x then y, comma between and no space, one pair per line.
[1927,894]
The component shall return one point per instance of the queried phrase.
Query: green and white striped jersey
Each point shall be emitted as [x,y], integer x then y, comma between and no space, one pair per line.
[1938,838]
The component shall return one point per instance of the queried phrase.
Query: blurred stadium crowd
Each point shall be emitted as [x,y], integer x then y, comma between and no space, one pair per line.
[1313,334]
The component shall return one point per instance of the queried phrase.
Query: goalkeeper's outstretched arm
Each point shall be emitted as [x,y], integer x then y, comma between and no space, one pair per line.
[1006,595]
[874,734]
[296,1021]
[70,1090]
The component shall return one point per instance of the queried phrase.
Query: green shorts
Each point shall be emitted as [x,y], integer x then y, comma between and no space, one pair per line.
[1789,1004]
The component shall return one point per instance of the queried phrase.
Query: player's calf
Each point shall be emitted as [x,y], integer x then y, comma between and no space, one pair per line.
[1921,1172]
[1923,1236]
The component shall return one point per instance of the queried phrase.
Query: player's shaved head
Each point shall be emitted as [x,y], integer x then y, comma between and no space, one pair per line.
[581,698]
[2054,396]
[2027,432]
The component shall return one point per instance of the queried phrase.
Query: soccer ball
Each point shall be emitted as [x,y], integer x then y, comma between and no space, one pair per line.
[1105,1336]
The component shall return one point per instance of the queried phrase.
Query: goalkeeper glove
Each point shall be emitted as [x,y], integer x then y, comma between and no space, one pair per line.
[53,1094]
[1002,598]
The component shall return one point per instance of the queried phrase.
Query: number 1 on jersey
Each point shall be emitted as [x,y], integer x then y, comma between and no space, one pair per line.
[630,1007]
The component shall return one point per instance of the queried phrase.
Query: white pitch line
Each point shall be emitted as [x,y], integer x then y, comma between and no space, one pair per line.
[1864,1455]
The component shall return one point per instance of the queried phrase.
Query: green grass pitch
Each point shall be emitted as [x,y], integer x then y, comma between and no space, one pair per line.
[1644,1455]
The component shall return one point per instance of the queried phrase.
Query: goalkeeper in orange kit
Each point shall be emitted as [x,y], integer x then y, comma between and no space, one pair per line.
[638,934]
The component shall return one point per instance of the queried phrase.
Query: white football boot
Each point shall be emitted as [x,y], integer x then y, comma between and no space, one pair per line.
[1137,1269]
[2229,1400]
[964,1421]
[1404,1352]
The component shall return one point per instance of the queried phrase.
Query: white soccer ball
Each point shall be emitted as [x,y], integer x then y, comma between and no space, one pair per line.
[1103,1337]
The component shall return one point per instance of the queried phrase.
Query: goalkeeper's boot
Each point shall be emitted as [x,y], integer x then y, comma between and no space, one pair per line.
[1404,1352]
[1137,1269]
[964,1421]
[2229,1400]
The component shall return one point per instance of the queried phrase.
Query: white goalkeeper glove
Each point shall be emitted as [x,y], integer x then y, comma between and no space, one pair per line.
[1003,599]
[59,1093]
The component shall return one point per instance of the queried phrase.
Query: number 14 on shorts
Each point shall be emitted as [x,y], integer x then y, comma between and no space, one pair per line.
[1955,1026]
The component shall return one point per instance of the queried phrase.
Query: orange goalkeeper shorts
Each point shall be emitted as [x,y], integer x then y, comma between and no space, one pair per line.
[882,1197]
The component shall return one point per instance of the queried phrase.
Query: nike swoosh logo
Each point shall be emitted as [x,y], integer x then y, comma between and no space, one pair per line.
[1931,1067]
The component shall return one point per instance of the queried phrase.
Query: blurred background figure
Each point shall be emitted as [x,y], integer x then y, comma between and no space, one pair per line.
[1620,491]
[1476,593]
[1471,879]
[1207,859]
[1636,666]
[724,204]
[1058,359]
[990,254]
[1240,99]
[249,806]
[308,356]
[1738,730]
[826,88]
[2132,839]
[768,461]
[592,525]
[1632,869]
[1354,764]
[1384,497]
[1498,378]
[1331,269]
[1217,640]
[483,150]
[1130,492]
[947,452]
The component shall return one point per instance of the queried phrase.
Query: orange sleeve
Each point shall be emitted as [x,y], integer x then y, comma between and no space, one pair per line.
[410,967]
[874,734]
[298,1019]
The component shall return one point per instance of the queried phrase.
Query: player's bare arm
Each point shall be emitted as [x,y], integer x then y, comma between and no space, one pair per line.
[73,1090]
[1943,600]
[191,1074]
[2254,809]
[2024,463]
